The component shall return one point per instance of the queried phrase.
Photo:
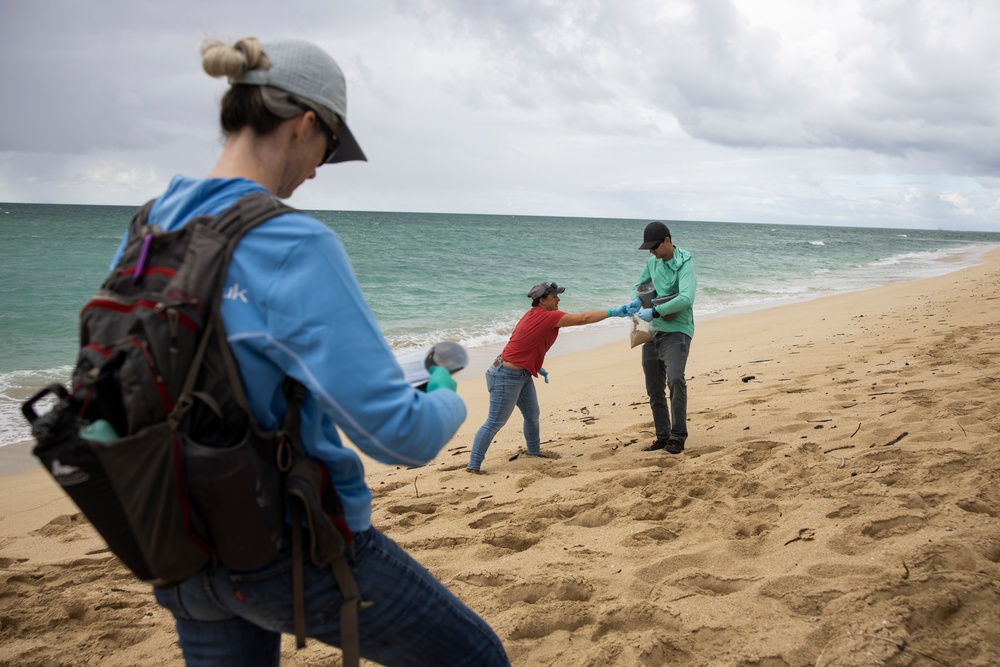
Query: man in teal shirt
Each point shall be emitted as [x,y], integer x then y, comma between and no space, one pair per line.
[664,358]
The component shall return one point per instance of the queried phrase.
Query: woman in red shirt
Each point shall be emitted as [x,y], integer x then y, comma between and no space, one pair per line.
[509,378]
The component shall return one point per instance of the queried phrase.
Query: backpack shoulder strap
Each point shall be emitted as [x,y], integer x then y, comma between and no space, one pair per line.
[140,218]
[212,240]
[248,212]
[136,230]
[222,232]
[311,498]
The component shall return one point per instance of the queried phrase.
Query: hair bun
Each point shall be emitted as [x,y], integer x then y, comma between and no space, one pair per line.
[219,59]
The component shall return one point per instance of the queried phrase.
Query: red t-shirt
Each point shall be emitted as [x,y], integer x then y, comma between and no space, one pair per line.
[532,338]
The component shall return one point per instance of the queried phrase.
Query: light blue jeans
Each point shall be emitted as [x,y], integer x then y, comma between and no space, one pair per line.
[227,618]
[508,388]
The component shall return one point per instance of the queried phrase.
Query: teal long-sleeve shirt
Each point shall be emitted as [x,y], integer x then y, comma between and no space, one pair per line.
[673,276]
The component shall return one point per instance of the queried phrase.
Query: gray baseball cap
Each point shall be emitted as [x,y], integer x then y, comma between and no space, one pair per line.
[307,71]
[541,289]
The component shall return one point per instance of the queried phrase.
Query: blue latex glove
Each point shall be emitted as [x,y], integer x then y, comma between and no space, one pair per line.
[635,306]
[440,378]
[620,311]
[545,374]
[646,314]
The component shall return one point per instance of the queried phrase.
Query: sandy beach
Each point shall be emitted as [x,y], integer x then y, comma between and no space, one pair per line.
[838,504]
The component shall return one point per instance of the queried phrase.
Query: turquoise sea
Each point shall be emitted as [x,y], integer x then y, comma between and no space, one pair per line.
[431,277]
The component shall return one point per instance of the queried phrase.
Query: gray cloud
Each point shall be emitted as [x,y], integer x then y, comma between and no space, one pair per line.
[685,108]
[898,82]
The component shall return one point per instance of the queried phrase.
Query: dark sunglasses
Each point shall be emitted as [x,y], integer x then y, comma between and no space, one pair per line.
[332,141]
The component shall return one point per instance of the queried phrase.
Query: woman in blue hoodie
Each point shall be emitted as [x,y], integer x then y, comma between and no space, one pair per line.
[664,358]
[293,308]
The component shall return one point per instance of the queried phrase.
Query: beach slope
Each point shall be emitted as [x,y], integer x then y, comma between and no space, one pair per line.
[838,504]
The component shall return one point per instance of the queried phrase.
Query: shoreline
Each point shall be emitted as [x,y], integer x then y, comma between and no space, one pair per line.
[583,339]
[589,338]
[573,341]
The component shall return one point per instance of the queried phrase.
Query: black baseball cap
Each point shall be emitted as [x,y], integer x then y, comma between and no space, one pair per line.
[653,235]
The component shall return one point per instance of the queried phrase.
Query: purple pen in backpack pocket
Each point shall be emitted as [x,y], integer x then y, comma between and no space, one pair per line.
[140,266]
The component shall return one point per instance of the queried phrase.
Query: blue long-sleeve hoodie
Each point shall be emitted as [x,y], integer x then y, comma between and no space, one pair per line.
[292,307]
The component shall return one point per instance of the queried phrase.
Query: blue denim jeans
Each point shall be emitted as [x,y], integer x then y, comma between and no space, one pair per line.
[237,618]
[664,360]
[508,388]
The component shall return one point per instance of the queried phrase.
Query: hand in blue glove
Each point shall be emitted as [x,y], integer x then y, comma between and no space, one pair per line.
[545,374]
[635,306]
[620,311]
[440,378]
[646,314]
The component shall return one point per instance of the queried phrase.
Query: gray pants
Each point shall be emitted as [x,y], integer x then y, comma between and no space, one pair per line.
[664,360]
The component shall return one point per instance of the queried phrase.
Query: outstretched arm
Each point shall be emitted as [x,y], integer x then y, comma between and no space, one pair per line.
[591,316]
[576,319]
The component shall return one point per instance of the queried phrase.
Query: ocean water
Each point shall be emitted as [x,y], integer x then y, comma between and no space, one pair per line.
[431,277]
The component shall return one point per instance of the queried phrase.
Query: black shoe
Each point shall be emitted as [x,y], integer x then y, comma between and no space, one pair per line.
[657,445]
[674,446]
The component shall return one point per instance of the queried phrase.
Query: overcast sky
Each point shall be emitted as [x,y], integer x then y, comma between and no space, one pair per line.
[830,112]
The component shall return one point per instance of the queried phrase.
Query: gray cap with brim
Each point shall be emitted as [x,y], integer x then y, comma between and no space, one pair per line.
[541,289]
[307,71]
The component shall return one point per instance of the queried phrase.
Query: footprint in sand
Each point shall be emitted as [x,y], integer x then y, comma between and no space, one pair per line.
[515,539]
[433,543]
[708,584]
[543,622]
[900,525]
[633,618]
[656,534]
[419,508]
[485,579]
[490,519]
[803,595]
[570,590]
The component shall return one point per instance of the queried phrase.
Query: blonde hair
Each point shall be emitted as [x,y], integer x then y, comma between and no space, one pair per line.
[218,59]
